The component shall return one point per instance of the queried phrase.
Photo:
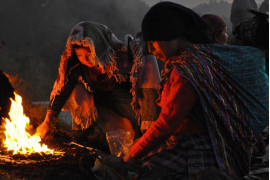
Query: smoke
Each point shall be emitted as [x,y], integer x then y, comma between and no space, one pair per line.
[191,3]
[35,33]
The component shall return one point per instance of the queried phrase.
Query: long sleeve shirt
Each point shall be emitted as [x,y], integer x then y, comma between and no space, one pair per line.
[178,98]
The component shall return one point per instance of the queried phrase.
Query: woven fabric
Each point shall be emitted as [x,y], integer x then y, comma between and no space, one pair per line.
[226,105]
[182,160]
[247,66]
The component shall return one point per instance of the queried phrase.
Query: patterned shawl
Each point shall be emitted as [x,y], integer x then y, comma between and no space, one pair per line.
[226,105]
[145,78]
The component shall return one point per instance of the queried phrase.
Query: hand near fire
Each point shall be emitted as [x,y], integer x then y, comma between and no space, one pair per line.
[46,125]
[128,157]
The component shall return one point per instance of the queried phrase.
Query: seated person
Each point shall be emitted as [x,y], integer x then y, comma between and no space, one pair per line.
[209,110]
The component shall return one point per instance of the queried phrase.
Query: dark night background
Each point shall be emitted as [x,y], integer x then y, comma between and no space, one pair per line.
[33,33]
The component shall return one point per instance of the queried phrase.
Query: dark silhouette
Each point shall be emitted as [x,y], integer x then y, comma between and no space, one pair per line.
[6,92]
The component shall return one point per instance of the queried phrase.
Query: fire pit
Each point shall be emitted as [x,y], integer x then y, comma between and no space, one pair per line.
[73,161]
[25,156]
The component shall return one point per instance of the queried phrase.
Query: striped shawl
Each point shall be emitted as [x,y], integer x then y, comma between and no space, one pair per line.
[226,105]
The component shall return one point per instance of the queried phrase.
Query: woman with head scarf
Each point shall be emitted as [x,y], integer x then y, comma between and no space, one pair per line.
[218,28]
[100,83]
[213,98]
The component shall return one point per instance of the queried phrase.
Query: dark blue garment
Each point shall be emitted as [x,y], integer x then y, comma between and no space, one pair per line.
[247,66]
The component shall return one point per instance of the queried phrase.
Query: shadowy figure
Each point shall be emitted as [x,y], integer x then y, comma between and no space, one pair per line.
[239,11]
[6,92]
[254,32]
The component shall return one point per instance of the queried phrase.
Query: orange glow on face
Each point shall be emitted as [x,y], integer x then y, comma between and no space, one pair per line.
[159,49]
[85,56]
[17,139]
[164,50]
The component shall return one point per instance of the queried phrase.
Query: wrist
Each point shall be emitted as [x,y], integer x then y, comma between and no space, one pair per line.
[128,157]
[50,116]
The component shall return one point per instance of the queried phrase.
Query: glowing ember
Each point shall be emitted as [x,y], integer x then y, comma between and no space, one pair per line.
[17,139]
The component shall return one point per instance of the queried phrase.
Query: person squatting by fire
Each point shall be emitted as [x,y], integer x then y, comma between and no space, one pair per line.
[104,83]
[213,98]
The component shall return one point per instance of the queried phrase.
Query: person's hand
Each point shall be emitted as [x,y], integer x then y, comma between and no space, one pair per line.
[46,125]
[127,157]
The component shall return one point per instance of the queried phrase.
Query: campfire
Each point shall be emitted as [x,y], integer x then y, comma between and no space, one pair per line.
[17,139]
[62,154]
[26,156]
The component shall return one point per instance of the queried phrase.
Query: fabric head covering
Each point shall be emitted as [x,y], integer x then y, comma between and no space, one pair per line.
[102,43]
[215,22]
[167,20]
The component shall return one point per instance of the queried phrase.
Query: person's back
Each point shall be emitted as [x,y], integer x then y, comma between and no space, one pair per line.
[247,67]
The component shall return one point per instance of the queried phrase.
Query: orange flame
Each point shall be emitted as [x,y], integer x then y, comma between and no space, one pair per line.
[17,139]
